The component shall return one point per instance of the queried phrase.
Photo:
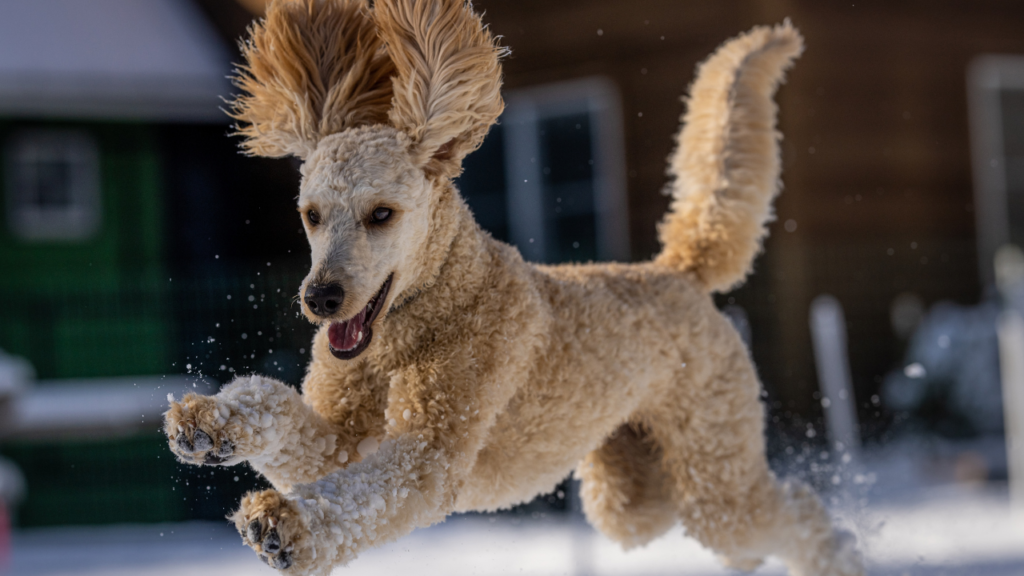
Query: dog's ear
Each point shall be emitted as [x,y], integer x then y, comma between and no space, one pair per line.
[312,68]
[447,87]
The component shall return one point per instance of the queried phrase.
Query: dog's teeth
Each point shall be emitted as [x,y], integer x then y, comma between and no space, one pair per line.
[360,335]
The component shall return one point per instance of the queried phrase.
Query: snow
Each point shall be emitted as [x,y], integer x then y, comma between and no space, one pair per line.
[16,375]
[158,60]
[915,370]
[58,408]
[951,530]
[368,446]
[945,530]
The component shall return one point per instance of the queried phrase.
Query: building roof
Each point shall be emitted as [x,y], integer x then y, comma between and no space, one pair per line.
[156,60]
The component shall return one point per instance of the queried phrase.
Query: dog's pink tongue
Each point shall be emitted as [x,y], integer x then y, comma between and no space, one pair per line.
[346,335]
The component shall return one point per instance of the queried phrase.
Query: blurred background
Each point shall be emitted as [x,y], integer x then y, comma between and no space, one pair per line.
[141,255]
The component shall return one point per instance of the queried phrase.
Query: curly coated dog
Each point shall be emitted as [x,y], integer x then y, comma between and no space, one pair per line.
[448,374]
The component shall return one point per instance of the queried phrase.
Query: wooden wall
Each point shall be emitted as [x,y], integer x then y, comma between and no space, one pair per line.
[876,151]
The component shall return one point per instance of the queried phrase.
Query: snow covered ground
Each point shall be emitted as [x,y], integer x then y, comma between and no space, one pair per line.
[947,531]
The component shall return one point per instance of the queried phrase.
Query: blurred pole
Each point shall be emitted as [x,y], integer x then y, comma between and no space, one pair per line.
[12,489]
[1009,264]
[828,332]
[581,534]
[1011,365]
[5,536]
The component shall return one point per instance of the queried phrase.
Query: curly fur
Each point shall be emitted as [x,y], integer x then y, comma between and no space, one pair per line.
[313,68]
[448,81]
[726,165]
[486,379]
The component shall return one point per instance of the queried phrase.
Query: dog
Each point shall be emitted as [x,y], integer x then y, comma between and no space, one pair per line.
[448,374]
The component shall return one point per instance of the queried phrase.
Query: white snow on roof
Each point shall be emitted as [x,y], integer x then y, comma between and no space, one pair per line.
[16,375]
[137,59]
[96,407]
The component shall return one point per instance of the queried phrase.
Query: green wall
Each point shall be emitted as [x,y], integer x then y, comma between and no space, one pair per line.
[95,307]
[133,479]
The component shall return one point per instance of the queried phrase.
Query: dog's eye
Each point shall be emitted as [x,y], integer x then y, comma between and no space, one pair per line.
[380,214]
[313,217]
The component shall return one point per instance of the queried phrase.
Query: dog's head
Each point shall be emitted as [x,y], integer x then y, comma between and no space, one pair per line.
[381,105]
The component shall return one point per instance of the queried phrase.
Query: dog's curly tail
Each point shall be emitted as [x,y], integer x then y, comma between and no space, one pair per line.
[726,166]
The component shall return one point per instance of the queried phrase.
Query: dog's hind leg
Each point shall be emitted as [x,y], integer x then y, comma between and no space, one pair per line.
[625,493]
[710,437]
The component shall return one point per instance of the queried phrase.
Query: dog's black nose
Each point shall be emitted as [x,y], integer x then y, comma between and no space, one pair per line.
[324,300]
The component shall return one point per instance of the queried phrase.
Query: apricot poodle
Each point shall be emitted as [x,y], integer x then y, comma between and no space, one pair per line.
[448,374]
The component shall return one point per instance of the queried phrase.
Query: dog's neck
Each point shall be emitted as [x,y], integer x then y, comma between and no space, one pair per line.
[458,262]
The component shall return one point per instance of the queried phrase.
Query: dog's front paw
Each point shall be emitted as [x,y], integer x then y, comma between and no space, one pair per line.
[272,525]
[199,433]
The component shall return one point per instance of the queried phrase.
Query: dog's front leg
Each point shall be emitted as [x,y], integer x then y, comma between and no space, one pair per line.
[436,423]
[317,527]
[260,420]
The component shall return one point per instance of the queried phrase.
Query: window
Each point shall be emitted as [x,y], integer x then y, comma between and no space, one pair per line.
[52,185]
[996,100]
[550,177]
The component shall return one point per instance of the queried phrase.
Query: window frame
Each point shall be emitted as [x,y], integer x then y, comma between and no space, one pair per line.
[525,109]
[81,217]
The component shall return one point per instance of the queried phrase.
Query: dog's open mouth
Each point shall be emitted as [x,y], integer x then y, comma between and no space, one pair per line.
[350,337]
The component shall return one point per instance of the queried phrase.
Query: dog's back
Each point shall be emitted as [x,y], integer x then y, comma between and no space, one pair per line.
[617,335]
[613,338]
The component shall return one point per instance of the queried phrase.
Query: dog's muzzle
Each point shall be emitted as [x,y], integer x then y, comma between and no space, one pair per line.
[349,338]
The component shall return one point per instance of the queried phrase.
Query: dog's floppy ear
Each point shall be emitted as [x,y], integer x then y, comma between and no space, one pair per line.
[447,88]
[312,68]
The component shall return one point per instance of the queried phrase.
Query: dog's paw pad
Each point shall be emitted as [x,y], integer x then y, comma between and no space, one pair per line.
[262,535]
[183,444]
[201,448]
[190,432]
[202,441]
[254,531]
[269,524]
[272,542]
[226,448]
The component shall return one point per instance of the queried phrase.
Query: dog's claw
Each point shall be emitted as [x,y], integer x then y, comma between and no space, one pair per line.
[226,448]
